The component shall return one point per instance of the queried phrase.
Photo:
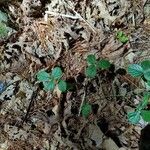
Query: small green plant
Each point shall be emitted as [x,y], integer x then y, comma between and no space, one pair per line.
[134,117]
[140,70]
[122,37]
[86,110]
[94,65]
[50,80]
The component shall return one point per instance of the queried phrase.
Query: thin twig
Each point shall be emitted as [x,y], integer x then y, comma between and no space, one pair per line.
[83,99]
[29,107]
[126,78]
[77,16]
[62,15]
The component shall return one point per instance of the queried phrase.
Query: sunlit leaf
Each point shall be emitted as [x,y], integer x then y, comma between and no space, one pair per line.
[122,37]
[135,70]
[119,34]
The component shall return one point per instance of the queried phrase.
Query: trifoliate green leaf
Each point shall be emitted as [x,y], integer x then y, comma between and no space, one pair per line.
[135,70]
[145,65]
[86,110]
[145,115]
[62,85]
[134,117]
[49,85]
[43,76]
[91,59]
[90,71]
[103,64]
[122,37]
[56,73]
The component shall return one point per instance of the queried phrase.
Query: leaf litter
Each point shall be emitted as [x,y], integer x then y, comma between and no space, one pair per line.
[62,34]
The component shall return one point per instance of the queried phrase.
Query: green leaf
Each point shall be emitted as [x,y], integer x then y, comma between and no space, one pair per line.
[91,59]
[86,110]
[144,102]
[49,85]
[90,71]
[103,64]
[145,65]
[43,76]
[57,73]
[147,75]
[134,117]
[122,37]
[62,85]
[119,34]
[135,70]
[145,115]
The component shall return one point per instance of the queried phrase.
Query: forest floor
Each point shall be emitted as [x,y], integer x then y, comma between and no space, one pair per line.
[63,33]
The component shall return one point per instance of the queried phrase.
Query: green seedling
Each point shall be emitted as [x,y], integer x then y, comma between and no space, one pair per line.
[50,80]
[140,70]
[122,37]
[94,65]
[134,117]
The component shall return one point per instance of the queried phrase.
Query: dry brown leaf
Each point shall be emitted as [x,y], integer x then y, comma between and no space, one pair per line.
[113,49]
